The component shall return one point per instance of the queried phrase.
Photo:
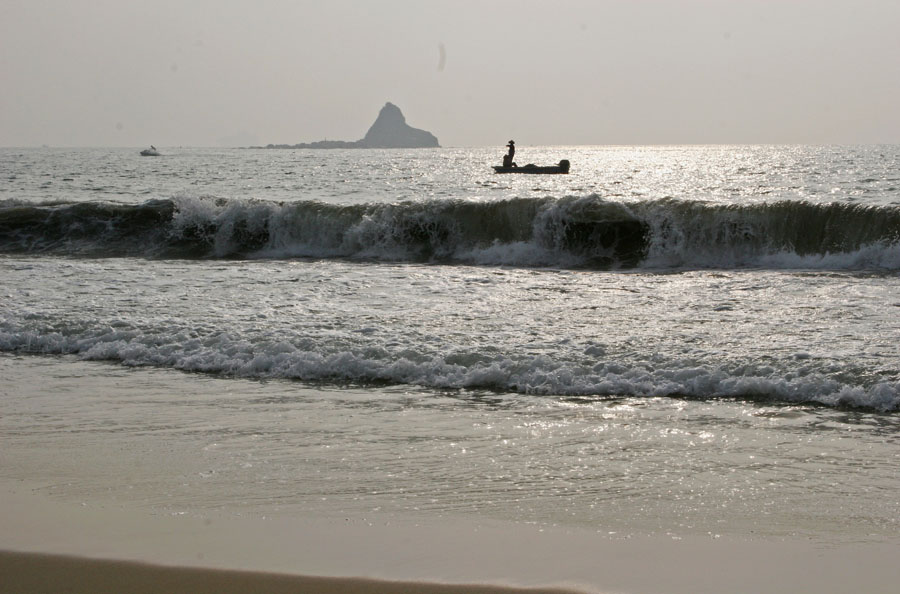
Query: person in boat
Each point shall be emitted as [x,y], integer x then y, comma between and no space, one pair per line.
[508,157]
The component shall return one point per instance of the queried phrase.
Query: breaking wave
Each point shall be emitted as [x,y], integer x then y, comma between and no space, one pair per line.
[579,232]
[565,374]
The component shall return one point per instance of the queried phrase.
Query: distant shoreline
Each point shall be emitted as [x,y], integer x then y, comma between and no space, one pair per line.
[329,144]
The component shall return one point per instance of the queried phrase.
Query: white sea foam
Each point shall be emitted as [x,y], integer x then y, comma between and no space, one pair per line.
[232,355]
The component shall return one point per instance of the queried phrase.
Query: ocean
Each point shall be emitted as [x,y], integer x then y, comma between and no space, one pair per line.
[673,340]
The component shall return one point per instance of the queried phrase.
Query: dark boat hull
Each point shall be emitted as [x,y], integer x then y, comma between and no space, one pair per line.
[563,167]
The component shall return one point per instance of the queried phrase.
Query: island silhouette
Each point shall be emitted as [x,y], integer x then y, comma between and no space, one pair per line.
[390,130]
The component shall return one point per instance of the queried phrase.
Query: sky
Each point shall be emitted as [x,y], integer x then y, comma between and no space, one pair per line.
[474,73]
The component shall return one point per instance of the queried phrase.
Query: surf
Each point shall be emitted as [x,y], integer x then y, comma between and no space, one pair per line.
[583,232]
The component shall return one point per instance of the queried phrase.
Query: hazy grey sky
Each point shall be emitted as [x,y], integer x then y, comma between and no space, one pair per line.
[229,72]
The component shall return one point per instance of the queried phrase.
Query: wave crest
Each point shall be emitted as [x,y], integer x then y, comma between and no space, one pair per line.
[586,231]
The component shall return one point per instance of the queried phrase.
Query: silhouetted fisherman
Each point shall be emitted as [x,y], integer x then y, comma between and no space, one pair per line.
[508,157]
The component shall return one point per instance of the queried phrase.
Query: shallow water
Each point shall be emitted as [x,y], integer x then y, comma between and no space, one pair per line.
[186,444]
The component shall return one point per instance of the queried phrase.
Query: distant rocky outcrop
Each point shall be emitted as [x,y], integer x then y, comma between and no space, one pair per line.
[390,130]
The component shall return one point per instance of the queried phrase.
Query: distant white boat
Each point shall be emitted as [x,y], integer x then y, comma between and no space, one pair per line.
[150,152]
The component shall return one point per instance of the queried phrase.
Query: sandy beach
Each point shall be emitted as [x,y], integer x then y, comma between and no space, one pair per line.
[36,574]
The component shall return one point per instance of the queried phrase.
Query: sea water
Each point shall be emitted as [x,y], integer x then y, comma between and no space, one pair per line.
[667,340]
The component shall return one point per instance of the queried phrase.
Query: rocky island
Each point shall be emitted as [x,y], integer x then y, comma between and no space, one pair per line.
[390,130]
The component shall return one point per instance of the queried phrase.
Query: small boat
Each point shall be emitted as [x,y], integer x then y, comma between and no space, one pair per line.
[563,167]
[150,152]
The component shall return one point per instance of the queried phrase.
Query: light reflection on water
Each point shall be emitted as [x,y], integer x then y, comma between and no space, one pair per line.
[175,442]
[726,174]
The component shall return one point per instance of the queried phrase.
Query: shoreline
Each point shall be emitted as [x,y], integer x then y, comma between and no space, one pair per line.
[94,547]
[38,573]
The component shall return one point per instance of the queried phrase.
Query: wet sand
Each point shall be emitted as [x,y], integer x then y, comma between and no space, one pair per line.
[51,574]
[52,546]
